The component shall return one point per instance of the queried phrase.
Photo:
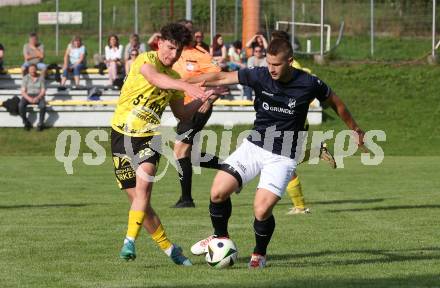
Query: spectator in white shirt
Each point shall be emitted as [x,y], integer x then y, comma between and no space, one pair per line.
[113,56]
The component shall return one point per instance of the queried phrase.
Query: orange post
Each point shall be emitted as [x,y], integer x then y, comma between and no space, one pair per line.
[251,21]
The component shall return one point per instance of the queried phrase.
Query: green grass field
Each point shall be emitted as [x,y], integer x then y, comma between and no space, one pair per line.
[370,227]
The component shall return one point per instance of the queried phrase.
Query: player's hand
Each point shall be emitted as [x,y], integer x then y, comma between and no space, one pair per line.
[196,91]
[205,107]
[359,135]
[220,90]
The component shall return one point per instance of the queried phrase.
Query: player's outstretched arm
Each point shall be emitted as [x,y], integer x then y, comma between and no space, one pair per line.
[341,109]
[163,81]
[215,78]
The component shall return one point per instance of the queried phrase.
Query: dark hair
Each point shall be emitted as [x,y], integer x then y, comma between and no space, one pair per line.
[280,34]
[237,44]
[110,37]
[177,34]
[33,34]
[32,65]
[133,50]
[215,45]
[185,21]
[278,45]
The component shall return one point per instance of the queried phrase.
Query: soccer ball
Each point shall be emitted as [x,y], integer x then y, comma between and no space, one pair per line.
[221,253]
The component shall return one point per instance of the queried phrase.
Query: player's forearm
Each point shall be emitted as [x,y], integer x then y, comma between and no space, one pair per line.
[209,79]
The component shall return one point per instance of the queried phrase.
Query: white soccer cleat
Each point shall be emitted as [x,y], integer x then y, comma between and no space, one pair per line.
[296,211]
[201,247]
[257,261]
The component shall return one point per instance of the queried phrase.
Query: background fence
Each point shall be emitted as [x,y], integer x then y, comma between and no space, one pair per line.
[402,28]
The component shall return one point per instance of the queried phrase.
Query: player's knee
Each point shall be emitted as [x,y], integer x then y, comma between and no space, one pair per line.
[261,212]
[181,150]
[218,195]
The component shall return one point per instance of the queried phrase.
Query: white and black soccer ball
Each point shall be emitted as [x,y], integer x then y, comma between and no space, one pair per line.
[221,253]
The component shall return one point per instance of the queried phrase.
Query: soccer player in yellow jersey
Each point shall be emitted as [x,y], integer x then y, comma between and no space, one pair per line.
[149,87]
[294,188]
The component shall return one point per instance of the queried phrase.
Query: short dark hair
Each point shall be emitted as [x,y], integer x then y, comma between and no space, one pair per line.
[33,34]
[177,34]
[280,34]
[278,45]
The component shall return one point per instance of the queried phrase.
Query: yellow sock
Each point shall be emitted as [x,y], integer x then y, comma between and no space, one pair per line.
[160,237]
[135,220]
[295,193]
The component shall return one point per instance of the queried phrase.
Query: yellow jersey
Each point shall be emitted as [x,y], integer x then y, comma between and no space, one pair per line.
[296,65]
[141,104]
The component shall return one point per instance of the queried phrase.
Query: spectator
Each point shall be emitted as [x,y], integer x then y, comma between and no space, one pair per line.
[33,90]
[198,37]
[257,40]
[256,60]
[153,42]
[187,23]
[218,51]
[33,53]
[74,60]
[236,57]
[2,54]
[113,56]
[133,55]
[134,44]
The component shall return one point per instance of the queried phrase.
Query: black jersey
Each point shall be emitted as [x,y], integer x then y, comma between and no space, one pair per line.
[281,107]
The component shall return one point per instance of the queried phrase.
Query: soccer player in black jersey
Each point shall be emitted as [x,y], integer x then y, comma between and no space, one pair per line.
[282,98]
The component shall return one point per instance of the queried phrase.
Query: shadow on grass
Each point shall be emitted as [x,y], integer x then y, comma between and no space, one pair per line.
[424,280]
[72,205]
[332,202]
[382,257]
[347,201]
[385,208]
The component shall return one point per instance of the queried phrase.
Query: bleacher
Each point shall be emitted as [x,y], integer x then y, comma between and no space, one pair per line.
[72,108]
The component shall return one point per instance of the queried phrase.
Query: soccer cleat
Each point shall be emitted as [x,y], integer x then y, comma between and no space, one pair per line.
[184,204]
[201,247]
[325,155]
[296,211]
[178,258]
[257,261]
[128,250]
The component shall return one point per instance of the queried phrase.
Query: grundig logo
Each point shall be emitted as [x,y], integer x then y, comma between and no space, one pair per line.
[277,109]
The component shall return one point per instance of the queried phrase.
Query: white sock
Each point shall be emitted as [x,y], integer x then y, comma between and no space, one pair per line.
[168,251]
[128,239]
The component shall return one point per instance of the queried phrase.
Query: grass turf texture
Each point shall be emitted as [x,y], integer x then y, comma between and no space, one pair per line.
[371,226]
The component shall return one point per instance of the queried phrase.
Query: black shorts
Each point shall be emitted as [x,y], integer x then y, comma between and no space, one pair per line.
[196,125]
[123,163]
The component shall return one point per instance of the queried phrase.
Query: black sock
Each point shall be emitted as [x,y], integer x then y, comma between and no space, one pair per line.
[220,213]
[263,232]
[185,178]
[214,163]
